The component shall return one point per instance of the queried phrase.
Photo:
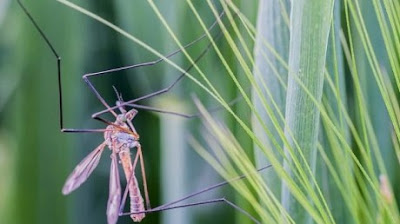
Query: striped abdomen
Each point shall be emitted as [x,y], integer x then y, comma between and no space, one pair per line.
[136,199]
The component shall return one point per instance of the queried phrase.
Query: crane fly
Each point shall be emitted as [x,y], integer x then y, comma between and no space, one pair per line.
[120,137]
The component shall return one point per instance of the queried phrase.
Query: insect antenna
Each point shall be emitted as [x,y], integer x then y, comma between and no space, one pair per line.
[119,100]
[118,94]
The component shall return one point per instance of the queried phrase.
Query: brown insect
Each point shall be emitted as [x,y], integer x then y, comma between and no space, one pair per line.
[120,137]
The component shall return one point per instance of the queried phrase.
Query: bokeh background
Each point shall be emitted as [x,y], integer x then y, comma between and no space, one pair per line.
[36,158]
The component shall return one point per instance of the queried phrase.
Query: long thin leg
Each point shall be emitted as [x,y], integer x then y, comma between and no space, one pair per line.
[144,178]
[189,116]
[206,202]
[72,130]
[172,205]
[92,87]
[168,88]
[58,59]
[210,188]
[138,156]
[150,63]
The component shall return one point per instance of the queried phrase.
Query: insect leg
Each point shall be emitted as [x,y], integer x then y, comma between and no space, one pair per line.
[206,202]
[172,205]
[138,156]
[188,116]
[59,76]
[150,63]
[168,88]
[146,192]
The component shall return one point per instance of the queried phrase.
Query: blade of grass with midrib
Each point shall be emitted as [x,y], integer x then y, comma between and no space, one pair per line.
[309,28]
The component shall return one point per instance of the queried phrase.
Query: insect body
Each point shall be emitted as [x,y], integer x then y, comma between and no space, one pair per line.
[120,139]
[121,143]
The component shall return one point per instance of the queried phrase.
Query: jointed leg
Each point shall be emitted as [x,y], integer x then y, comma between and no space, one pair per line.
[206,202]
[58,59]
[94,90]
[168,88]
[189,116]
[173,205]
[138,156]
[211,188]
[144,178]
[72,130]
[151,63]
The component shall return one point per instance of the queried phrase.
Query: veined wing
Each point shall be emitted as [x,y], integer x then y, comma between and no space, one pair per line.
[83,170]
[114,197]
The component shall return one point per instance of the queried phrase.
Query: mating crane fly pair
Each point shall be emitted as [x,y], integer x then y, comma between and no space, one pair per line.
[121,137]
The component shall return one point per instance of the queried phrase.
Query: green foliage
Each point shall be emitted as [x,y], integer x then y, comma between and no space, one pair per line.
[319,85]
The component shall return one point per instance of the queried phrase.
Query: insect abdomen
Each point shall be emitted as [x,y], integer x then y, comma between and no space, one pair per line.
[136,199]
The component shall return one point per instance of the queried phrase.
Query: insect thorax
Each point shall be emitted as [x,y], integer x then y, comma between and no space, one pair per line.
[125,139]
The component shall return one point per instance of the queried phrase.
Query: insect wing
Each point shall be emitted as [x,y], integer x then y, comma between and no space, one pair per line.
[114,197]
[83,170]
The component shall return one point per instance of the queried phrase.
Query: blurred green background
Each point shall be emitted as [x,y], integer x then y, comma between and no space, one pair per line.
[36,158]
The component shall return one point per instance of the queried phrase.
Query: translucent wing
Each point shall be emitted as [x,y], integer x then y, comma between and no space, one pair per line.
[114,197]
[83,170]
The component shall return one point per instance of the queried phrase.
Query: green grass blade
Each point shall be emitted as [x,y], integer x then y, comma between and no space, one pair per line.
[309,23]
[334,96]
[271,28]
